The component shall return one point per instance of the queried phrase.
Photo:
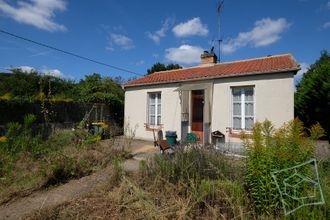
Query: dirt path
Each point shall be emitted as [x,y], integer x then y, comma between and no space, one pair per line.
[38,200]
[18,209]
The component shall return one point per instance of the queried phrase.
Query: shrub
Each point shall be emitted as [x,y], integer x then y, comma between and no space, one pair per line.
[272,150]
[19,136]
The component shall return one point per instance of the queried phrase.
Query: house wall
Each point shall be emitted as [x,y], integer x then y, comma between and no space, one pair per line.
[136,109]
[274,99]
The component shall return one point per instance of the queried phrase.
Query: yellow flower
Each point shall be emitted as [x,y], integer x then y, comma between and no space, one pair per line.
[6,96]
[3,139]
[97,138]
[101,124]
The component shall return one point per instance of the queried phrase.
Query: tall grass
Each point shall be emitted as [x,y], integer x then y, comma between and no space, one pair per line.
[271,150]
[29,162]
[193,183]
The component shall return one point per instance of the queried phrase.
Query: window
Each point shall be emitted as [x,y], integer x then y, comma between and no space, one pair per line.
[243,108]
[154,109]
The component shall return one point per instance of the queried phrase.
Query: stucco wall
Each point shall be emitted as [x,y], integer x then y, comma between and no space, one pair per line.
[274,99]
[136,109]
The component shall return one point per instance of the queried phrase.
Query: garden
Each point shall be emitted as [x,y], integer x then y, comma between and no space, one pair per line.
[201,183]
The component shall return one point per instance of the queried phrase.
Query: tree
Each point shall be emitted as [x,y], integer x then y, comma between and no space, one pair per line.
[162,67]
[96,89]
[312,98]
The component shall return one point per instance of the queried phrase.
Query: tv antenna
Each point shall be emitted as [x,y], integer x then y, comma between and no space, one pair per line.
[219,9]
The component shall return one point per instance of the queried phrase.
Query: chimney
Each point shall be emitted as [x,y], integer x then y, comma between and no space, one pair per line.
[208,58]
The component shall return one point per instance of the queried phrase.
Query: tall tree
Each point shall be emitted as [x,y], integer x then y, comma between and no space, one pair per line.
[312,98]
[161,67]
[94,88]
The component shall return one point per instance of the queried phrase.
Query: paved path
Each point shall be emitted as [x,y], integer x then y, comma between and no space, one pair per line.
[17,209]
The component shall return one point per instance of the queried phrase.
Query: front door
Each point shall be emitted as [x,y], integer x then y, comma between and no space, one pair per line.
[197,103]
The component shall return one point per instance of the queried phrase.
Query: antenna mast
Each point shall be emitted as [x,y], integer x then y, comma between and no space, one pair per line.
[219,8]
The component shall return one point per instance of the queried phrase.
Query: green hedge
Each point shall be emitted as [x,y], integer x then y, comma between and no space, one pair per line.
[14,111]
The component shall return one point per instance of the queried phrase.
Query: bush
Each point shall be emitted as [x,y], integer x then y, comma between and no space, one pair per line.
[272,150]
[19,137]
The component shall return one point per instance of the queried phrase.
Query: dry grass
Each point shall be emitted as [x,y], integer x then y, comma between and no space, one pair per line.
[67,157]
[148,196]
[165,189]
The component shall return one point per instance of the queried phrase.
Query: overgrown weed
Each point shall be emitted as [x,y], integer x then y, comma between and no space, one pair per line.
[28,162]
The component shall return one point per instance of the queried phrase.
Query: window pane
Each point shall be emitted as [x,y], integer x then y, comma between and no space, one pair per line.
[154,104]
[248,94]
[158,120]
[152,98]
[237,123]
[249,109]
[152,120]
[248,123]
[237,109]
[236,94]
[152,109]
[159,109]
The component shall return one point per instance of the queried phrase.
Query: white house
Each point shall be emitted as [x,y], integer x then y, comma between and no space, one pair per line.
[227,97]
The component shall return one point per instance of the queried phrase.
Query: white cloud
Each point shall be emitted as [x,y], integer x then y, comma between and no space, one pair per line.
[157,35]
[43,70]
[304,68]
[53,72]
[38,13]
[121,41]
[185,54]
[191,28]
[265,32]
[26,69]
[140,62]
[326,24]
[328,5]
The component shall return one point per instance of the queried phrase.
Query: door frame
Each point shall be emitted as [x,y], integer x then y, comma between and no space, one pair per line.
[192,96]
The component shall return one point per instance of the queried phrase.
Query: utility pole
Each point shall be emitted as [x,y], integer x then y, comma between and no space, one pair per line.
[219,8]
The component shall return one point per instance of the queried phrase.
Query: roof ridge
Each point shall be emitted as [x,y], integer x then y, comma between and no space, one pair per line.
[185,68]
[229,62]
[257,58]
[239,67]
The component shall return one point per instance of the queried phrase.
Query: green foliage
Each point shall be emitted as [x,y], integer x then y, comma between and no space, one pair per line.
[96,89]
[157,67]
[312,99]
[34,86]
[272,150]
[54,99]
[20,85]
[20,136]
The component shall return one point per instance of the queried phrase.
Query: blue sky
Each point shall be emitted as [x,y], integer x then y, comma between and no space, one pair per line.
[136,34]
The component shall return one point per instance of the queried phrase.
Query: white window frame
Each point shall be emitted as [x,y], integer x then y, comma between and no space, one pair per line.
[158,101]
[243,116]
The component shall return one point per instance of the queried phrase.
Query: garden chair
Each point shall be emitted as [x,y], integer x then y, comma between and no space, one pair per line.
[161,143]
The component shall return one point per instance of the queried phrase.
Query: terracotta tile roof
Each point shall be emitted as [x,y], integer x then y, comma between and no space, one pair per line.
[263,65]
